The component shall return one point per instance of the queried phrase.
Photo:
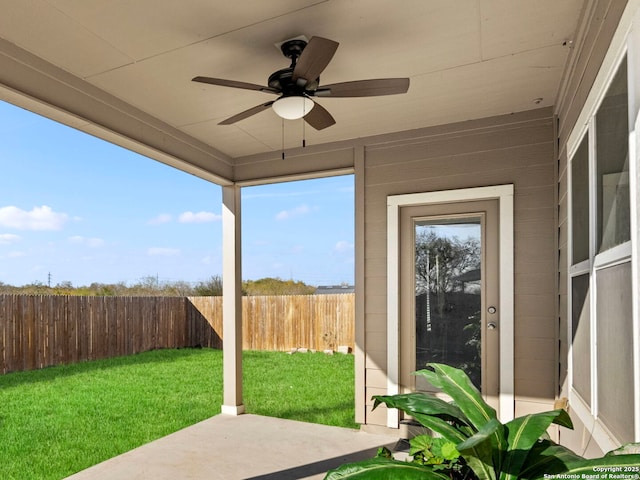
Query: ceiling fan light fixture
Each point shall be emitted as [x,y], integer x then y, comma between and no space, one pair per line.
[293,107]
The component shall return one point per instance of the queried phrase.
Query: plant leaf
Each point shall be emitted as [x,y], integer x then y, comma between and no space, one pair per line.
[613,462]
[384,469]
[625,449]
[522,433]
[478,450]
[449,451]
[425,404]
[420,443]
[441,427]
[563,419]
[384,452]
[547,457]
[429,420]
[455,383]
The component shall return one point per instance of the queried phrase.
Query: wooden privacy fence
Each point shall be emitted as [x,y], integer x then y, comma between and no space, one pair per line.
[40,331]
[318,322]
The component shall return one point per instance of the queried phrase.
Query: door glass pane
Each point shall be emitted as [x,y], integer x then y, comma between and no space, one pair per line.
[448,294]
[580,202]
[612,159]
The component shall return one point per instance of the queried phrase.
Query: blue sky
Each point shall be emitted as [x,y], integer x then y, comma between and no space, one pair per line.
[86,211]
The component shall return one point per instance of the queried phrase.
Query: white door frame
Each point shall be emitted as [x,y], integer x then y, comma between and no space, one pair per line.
[504,195]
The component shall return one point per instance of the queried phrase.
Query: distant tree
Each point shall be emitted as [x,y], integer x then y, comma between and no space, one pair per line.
[177,289]
[146,286]
[7,289]
[104,289]
[63,288]
[150,286]
[209,288]
[440,260]
[276,286]
[36,288]
[149,283]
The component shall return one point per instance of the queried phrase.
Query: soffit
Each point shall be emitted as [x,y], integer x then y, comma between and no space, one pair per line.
[466,59]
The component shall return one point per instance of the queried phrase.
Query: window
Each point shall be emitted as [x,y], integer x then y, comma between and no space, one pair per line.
[612,160]
[580,202]
[600,275]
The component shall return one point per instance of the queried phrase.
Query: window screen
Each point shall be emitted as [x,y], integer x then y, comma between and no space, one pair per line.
[615,350]
[581,336]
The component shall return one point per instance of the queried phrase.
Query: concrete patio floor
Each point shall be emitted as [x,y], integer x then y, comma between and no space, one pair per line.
[247,447]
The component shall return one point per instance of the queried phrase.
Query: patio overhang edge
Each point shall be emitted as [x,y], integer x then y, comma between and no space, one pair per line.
[35,85]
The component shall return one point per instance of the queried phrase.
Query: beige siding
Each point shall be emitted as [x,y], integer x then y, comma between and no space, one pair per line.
[302,162]
[563,231]
[514,149]
[598,25]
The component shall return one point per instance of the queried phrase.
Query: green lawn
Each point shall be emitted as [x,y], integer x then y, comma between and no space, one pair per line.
[57,421]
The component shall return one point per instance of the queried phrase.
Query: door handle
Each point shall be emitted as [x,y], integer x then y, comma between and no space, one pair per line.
[491,326]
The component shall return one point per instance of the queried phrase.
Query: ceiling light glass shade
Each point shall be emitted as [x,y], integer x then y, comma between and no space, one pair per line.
[293,107]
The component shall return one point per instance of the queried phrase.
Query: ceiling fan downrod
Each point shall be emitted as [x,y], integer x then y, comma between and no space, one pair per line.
[293,49]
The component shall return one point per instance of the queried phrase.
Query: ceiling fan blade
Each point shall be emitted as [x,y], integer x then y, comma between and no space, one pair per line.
[232,83]
[319,118]
[314,59]
[246,114]
[364,88]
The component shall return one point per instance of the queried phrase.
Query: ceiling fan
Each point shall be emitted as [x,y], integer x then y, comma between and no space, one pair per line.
[300,82]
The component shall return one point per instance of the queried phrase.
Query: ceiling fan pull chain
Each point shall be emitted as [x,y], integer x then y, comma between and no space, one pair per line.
[283,139]
[304,140]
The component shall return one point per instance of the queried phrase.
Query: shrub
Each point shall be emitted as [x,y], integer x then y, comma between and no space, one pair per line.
[488,449]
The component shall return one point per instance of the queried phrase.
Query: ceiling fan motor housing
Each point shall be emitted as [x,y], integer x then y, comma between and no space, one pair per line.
[283,80]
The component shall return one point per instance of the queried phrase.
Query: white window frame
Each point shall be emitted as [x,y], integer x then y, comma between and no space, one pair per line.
[626,42]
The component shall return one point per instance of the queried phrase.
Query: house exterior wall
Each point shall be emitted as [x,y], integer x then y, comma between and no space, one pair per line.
[514,149]
[530,150]
[597,29]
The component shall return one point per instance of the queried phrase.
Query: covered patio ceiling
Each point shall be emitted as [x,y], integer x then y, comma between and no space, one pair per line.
[122,70]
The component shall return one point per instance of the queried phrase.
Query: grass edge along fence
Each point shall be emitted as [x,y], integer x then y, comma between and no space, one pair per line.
[38,331]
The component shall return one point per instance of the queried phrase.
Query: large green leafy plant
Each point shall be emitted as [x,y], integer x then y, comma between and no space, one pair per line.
[491,450]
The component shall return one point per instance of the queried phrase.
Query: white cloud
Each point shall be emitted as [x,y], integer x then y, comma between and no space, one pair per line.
[160,219]
[294,212]
[7,238]
[200,217]
[39,218]
[16,254]
[89,242]
[343,246]
[163,251]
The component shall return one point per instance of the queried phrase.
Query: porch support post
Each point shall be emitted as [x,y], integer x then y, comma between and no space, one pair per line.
[231,301]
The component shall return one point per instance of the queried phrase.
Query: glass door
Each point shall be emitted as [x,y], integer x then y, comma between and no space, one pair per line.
[449,292]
